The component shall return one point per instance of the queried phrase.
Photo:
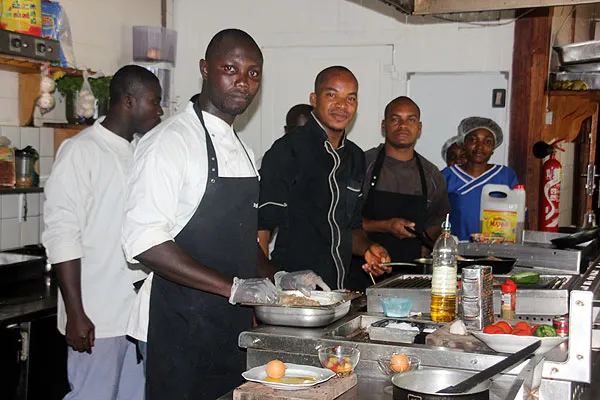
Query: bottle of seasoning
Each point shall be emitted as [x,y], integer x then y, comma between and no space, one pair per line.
[509,300]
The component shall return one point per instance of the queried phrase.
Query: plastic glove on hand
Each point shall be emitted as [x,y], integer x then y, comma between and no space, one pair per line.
[253,291]
[304,281]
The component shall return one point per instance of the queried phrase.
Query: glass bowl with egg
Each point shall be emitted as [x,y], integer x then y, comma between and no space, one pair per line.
[398,363]
[340,359]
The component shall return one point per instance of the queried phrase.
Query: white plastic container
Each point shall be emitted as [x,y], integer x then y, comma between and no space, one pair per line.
[502,212]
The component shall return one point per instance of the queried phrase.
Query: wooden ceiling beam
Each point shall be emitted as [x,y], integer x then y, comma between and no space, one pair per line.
[425,7]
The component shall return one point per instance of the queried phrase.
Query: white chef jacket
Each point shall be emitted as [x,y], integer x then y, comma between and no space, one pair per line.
[167,183]
[83,214]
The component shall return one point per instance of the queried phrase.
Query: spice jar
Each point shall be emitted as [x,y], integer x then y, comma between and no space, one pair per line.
[509,300]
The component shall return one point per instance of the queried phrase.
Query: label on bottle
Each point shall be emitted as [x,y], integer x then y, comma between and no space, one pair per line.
[443,281]
[506,301]
[501,223]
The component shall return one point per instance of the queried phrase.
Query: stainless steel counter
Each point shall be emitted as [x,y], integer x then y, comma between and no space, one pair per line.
[299,345]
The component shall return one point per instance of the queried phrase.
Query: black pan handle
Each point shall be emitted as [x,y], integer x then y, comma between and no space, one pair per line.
[422,238]
[494,370]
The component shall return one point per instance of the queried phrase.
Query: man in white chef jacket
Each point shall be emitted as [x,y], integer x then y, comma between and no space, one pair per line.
[85,198]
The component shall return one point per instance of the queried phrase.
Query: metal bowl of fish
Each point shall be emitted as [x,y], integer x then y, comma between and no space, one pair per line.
[295,309]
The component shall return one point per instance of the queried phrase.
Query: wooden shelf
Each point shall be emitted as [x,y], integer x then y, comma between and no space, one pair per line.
[21,190]
[29,81]
[30,66]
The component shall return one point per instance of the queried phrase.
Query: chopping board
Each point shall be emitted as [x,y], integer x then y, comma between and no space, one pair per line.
[336,388]
[443,337]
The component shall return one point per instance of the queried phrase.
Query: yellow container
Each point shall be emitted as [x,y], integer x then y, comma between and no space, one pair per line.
[23,16]
[502,212]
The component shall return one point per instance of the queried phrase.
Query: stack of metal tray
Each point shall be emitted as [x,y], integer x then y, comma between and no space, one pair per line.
[579,62]
[334,305]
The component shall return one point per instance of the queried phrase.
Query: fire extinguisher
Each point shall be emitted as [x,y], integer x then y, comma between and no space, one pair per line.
[551,176]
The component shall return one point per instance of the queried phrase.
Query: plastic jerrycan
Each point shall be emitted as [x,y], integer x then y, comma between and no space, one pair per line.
[502,212]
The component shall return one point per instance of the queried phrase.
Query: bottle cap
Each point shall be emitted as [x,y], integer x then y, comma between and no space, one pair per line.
[509,286]
[446,224]
[520,186]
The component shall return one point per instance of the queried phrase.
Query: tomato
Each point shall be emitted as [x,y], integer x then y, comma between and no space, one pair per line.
[521,332]
[523,325]
[505,326]
[493,329]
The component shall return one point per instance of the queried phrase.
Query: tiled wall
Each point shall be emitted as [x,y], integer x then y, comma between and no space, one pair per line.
[14,231]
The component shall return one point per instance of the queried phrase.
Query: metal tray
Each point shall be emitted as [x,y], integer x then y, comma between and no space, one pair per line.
[335,305]
[577,53]
[586,67]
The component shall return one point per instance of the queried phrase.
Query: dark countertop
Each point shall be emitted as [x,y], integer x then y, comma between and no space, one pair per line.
[28,300]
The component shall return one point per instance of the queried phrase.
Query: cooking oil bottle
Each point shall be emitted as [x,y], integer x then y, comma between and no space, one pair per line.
[444,282]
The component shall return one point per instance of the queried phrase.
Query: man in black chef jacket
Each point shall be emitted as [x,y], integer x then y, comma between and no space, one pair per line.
[311,188]
[403,191]
[191,217]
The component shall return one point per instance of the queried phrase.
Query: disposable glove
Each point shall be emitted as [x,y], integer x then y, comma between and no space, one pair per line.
[304,281]
[253,290]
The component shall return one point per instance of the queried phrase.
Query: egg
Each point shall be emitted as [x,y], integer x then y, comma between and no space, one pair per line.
[275,369]
[399,363]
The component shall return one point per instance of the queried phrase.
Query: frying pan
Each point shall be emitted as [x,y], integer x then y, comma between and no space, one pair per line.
[503,265]
[574,239]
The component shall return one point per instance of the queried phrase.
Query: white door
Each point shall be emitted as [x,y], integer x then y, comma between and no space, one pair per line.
[288,79]
[446,98]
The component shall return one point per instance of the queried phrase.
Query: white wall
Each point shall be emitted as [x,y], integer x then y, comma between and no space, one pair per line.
[418,47]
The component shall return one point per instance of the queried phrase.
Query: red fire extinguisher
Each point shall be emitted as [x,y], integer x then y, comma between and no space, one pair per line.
[551,175]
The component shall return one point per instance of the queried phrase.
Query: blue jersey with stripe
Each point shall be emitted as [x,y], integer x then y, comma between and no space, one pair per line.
[464,192]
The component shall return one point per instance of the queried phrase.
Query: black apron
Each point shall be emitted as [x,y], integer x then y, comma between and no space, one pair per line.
[193,335]
[381,205]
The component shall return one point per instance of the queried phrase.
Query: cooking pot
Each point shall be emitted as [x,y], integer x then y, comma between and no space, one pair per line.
[423,385]
[441,384]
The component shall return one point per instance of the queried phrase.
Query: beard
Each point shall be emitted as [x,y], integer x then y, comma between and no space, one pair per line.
[230,104]
[398,145]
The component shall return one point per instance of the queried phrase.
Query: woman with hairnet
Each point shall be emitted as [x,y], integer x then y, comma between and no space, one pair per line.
[452,152]
[479,137]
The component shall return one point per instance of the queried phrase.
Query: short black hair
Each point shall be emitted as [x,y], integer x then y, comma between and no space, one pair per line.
[213,46]
[297,111]
[401,99]
[327,72]
[130,80]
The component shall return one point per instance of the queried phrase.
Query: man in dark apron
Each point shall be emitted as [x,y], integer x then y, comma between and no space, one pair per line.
[406,198]
[193,330]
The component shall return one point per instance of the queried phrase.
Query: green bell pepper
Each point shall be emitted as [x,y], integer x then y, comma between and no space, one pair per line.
[544,331]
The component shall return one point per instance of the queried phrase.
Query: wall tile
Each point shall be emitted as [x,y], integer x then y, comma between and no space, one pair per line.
[30,137]
[13,133]
[41,227]
[10,206]
[9,82]
[10,234]
[9,111]
[42,201]
[45,167]
[33,205]
[46,142]
[30,231]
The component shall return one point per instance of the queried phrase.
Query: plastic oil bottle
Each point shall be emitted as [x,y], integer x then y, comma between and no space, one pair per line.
[444,279]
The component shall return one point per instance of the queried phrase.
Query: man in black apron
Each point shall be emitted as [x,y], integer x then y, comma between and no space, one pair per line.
[405,194]
[193,330]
